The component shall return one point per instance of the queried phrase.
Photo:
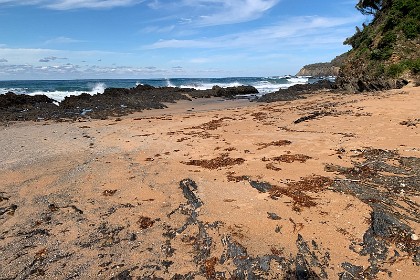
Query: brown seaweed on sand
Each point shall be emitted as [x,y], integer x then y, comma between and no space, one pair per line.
[212,125]
[289,158]
[109,192]
[278,143]
[232,178]
[296,190]
[385,181]
[271,166]
[221,161]
[145,222]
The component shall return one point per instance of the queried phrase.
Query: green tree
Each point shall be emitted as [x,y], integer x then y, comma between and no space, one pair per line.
[369,7]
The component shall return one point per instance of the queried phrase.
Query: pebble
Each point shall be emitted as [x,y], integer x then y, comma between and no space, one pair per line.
[414,237]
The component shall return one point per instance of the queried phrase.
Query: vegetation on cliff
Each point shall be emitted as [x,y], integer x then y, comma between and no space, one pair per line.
[385,51]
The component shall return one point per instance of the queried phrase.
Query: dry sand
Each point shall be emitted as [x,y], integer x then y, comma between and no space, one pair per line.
[98,199]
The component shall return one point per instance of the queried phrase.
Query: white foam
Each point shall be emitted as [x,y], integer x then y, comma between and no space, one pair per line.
[169,84]
[204,86]
[60,95]
[196,86]
[14,90]
[298,80]
[264,87]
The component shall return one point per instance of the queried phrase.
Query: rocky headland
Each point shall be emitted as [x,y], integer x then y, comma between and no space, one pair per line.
[325,69]
[385,53]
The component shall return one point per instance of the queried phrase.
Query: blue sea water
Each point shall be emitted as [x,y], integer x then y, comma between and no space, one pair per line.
[59,89]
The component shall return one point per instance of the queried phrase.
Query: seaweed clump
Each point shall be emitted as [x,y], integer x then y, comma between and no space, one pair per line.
[386,182]
[221,161]
[213,124]
[278,143]
[297,191]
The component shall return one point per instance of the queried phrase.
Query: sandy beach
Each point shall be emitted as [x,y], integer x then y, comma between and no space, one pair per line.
[325,187]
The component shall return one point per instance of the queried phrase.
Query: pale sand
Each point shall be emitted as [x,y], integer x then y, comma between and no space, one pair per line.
[69,222]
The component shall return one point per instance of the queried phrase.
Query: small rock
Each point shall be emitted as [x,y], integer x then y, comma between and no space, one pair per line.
[273,216]
[414,237]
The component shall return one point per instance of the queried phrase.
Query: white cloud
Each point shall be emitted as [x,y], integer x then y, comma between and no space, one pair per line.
[73,4]
[20,2]
[33,56]
[299,30]
[155,4]
[61,40]
[158,29]
[200,60]
[26,64]
[219,58]
[69,71]
[201,13]
[184,44]
[234,11]
[178,69]
[51,58]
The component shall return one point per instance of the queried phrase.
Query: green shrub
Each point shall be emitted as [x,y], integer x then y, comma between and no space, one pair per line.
[415,66]
[379,70]
[415,13]
[411,28]
[395,70]
[364,50]
[360,38]
[392,20]
[405,6]
[387,40]
[375,68]
[381,54]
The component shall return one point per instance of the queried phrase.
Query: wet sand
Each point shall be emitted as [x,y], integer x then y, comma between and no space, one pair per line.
[318,188]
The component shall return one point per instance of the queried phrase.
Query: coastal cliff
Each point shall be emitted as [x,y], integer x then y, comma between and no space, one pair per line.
[323,69]
[319,70]
[386,52]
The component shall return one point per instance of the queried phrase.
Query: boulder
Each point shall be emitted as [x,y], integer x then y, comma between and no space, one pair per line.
[11,99]
[228,92]
[297,91]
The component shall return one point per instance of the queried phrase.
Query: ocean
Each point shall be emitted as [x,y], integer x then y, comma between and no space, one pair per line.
[59,89]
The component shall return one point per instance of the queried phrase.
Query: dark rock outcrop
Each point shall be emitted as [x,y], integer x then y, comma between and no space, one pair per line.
[113,102]
[11,99]
[20,107]
[297,91]
[122,101]
[361,84]
[229,92]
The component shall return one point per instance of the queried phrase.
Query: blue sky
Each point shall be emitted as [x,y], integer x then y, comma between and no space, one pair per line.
[70,39]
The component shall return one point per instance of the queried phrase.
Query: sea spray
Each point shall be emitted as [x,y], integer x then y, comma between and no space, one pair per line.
[59,96]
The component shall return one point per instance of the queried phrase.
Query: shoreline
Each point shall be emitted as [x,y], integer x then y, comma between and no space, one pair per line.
[123,101]
[309,186]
